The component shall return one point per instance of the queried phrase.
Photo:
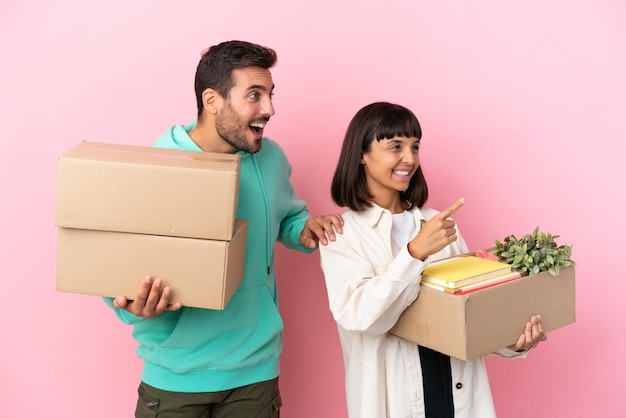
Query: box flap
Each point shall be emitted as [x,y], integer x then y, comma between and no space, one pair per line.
[134,154]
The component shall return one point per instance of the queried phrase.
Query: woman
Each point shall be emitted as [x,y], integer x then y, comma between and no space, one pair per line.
[373,272]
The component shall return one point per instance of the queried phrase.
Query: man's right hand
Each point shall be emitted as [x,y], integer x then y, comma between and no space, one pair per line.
[151,300]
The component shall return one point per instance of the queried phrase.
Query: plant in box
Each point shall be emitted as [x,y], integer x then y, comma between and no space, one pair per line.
[534,253]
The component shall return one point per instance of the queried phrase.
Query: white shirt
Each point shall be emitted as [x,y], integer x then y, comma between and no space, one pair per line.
[368,288]
[403,229]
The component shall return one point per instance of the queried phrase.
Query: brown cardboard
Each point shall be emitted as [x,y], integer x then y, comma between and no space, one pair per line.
[127,188]
[202,273]
[478,323]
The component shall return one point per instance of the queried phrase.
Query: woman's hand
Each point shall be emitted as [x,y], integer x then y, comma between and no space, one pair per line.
[435,234]
[532,336]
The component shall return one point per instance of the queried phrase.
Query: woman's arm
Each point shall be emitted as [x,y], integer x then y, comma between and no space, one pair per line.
[365,297]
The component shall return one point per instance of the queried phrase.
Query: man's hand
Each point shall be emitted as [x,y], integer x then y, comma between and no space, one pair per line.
[435,234]
[151,300]
[320,229]
[532,336]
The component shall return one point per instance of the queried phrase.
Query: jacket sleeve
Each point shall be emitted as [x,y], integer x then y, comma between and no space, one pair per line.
[370,298]
[367,298]
[510,354]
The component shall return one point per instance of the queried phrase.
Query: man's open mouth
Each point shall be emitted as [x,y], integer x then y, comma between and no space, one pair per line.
[257,127]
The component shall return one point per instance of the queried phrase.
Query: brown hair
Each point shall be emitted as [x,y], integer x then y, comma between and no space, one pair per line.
[380,120]
[216,66]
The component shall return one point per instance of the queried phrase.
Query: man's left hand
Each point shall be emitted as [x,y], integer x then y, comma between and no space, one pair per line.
[320,229]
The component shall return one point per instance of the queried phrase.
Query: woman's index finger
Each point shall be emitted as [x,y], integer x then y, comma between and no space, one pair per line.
[452,208]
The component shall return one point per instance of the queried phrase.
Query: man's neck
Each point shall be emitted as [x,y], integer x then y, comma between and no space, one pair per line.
[209,140]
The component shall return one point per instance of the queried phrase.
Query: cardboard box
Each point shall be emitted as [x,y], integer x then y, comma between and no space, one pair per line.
[202,273]
[478,323]
[146,190]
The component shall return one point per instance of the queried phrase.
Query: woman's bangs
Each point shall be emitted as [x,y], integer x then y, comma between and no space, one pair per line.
[398,124]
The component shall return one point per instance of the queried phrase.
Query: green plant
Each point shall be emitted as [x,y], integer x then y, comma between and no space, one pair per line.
[534,253]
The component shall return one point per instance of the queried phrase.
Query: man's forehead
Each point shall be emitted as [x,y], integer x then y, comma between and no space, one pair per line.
[253,78]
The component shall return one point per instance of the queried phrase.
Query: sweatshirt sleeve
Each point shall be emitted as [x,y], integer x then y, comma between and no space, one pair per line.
[124,316]
[292,225]
[367,298]
[293,211]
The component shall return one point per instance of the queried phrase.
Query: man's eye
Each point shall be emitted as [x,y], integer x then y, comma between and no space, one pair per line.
[254,96]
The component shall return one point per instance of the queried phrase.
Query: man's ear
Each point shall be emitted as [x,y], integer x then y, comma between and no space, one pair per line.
[211,100]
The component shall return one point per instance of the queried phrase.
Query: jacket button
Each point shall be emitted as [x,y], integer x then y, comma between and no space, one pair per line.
[459,385]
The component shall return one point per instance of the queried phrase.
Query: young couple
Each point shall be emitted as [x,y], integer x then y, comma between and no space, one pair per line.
[205,363]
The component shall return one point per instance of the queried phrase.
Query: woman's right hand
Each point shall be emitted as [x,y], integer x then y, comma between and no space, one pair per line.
[435,234]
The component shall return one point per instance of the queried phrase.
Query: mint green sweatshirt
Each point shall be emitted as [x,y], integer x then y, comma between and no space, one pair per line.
[201,350]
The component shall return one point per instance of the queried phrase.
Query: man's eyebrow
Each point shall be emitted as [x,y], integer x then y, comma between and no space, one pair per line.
[259,87]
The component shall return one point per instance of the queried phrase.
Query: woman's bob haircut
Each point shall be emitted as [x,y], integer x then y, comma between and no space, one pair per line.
[376,121]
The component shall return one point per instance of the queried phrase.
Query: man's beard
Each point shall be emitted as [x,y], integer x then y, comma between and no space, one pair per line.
[233,131]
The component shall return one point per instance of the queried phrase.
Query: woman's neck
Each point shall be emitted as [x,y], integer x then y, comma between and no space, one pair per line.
[392,203]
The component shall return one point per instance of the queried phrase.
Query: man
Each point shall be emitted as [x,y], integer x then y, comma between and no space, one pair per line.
[206,363]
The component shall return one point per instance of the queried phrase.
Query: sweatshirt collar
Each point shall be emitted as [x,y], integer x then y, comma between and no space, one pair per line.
[180,135]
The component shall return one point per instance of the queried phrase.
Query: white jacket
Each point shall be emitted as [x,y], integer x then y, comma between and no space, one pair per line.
[368,289]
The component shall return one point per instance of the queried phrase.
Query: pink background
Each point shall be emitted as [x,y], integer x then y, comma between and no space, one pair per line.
[522,106]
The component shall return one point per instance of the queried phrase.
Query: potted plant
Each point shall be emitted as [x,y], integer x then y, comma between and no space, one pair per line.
[534,253]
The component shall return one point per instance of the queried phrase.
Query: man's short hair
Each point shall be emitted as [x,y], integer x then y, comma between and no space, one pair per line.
[215,69]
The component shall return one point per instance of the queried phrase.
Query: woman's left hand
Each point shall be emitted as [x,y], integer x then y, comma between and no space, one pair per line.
[532,336]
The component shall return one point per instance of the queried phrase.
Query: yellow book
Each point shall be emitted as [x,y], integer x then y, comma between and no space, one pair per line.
[473,286]
[459,271]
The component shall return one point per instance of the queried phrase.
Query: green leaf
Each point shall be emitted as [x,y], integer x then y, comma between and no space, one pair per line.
[534,252]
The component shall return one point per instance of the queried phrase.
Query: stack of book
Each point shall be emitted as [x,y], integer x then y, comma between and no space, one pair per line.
[467,273]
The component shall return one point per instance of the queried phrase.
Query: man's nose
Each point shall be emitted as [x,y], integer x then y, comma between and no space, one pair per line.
[268,107]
